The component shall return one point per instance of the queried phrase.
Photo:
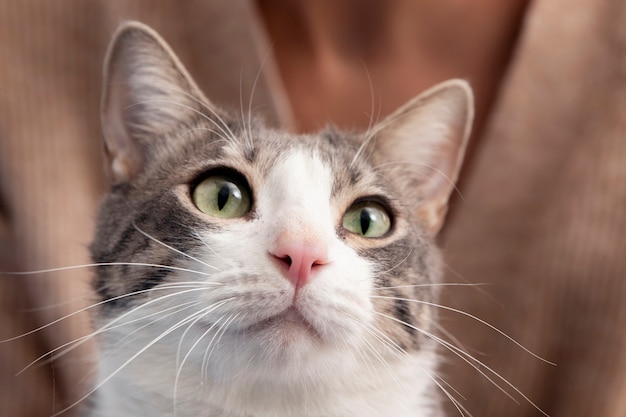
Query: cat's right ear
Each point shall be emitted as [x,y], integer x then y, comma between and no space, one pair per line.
[147,93]
[421,146]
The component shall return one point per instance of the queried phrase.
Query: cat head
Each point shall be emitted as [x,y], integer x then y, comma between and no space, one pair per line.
[263,244]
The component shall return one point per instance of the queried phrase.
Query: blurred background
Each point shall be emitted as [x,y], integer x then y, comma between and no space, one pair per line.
[540,217]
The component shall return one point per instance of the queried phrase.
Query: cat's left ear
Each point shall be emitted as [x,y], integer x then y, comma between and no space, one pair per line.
[421,146]
[147,95]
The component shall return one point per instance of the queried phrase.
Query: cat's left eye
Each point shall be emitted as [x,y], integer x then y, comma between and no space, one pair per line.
[222,196]
[368,219]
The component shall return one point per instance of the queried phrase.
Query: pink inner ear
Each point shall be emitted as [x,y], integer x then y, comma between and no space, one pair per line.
[141,68]
[426,140]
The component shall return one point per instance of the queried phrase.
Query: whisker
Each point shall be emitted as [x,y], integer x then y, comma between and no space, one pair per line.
[211,346]
[252,91]
[403,260]
[436,284]
[463,412]
[221,137]
[172,248]
[73,344]
[459,276]
[369,133]
[213,251]
[464,313]
[455,341]
[367,359]
[180,366]
[164,334]
[390,343]
[429,167]
[246,130]
[466,357]
[394,347]
[225,130]
[382,361]
[205,311]
[92,265]
[184,106]
[108,300]
[69,346]
[385,340]
[176,309]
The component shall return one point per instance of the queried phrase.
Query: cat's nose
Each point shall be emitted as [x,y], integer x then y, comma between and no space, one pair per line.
[300,259]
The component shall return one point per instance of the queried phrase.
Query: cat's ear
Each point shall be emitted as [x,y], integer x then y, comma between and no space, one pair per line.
[423,144]
[147,93]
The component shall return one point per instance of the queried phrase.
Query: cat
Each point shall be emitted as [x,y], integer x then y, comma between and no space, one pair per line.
[249,272]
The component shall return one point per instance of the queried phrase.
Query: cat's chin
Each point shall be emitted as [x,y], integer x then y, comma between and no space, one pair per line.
[285,332]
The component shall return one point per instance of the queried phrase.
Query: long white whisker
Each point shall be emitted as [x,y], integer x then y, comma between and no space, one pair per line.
[108,300]
[369,133]
[224,129]
[459,407]
[72,267]
[180,366]
[213,343]
[367,359]
[246,132]
[176,309]
[69,346]
[221,137]
[203,371]
[205,311]
[468,359]
[481,321]
[385,340]
[172,248]
[164,334]
[184,106]
[73,344]
[215,252]
[397,264]
[382,360]
[254,85]
[437,284]
[428,166]
[461,277]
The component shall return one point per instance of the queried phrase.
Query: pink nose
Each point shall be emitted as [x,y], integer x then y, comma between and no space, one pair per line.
[300,259]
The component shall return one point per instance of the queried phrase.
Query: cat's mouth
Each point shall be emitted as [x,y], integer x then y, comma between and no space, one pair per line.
[289,322]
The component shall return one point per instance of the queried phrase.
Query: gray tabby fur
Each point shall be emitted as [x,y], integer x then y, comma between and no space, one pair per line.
[367,348]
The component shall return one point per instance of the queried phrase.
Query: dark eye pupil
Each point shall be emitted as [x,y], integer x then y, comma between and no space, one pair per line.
[366,219]
[222,196]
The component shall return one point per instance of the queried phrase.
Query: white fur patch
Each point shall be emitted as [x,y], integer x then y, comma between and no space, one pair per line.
[295,199]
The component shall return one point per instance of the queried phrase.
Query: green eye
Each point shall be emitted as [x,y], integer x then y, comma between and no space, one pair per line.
[367,219]
[222,197]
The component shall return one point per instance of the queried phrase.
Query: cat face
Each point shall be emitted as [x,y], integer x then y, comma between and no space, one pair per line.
[235,250]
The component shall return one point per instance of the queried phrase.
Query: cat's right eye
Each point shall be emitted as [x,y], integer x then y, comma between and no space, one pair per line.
[368,219]
[222,196]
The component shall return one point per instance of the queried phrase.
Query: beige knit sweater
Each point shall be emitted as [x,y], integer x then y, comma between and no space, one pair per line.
[542,220]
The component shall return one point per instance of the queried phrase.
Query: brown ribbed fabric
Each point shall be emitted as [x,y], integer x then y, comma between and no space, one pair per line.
[51,57]
[542,220]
